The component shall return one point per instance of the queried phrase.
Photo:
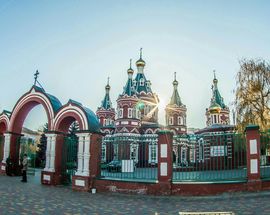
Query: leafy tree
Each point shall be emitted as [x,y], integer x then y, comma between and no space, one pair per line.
[74,127]
[252,94]
[41,152]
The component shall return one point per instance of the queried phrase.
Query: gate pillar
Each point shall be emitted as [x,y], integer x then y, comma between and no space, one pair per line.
[11,150]
[6,153]
[89,151]
[51,174]
[165,161]
[253,157]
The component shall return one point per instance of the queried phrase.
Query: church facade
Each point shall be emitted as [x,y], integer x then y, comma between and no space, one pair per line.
[130,130]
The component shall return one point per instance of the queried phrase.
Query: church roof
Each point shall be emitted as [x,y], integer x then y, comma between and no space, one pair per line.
[141,84]
[217,99]
[56,104]
[175,99]
[106,102]
[128,89]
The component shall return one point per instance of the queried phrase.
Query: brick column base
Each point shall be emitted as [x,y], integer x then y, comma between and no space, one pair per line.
[81,183]
[254,185]
[50,178]
[164,188]
[2,169]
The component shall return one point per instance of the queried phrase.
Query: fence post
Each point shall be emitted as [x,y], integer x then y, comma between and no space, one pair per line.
[253,157]
[165,162]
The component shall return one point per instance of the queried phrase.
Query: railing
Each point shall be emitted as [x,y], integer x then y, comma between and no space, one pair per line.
[265,154]
[129,157]
[217,157]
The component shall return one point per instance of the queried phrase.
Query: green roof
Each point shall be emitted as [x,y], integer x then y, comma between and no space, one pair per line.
[217,98]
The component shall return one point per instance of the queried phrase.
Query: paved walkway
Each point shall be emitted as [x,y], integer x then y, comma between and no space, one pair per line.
[33,198]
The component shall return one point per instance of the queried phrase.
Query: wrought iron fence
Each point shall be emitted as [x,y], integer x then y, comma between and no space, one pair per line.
[69,159]
[265,154]
[129,157]
[214,157]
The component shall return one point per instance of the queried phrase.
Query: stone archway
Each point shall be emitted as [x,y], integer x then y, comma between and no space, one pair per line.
[88,124]
[59,119]
[36,96]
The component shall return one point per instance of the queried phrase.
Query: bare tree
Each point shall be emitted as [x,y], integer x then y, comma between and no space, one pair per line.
[252,94]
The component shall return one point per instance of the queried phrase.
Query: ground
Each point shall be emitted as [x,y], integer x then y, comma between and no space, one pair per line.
[34,198]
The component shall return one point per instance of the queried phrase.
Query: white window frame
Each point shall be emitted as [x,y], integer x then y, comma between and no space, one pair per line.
[192,155]
[138,114]
[201,150]
[130,112]
[180,120]
[120,113]
[183,154]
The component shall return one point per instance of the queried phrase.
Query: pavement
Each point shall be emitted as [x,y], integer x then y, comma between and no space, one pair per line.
[33,198]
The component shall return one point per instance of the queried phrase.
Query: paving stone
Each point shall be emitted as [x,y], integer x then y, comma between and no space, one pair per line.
[34,198]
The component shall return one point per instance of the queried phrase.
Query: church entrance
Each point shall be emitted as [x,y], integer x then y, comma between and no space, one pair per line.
[69,158]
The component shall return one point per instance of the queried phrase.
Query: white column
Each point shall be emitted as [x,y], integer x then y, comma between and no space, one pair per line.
[83,154]
[48,155]
[6,147]
[86,156]
[80,154]
[50,152]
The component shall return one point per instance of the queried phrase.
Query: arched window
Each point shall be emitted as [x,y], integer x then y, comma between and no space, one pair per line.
[180,120]
[171,120]
[120,113]
[201,149]
[130,112]
[141,82]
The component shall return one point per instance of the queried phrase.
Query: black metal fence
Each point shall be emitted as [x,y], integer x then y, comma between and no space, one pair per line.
[129,157]
[265,154]
[215,157]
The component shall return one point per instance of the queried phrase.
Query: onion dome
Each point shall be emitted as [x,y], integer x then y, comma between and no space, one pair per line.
[215,108]
[130,71]
[215,81]
[175,83]
[106,102]
[108,87]
[140,62]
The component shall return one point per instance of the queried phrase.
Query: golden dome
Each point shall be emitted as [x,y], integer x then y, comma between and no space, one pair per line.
[140,62]
[215,108]
[130,70]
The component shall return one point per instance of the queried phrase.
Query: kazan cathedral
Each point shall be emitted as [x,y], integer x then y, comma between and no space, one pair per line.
[130,131]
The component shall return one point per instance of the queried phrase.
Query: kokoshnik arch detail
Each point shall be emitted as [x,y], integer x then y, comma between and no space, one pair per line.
[59,118]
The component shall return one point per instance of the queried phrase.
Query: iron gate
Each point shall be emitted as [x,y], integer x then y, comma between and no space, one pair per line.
[69,159]
[27,146]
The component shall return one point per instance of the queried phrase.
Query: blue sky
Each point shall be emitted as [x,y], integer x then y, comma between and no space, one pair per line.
[76,45]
